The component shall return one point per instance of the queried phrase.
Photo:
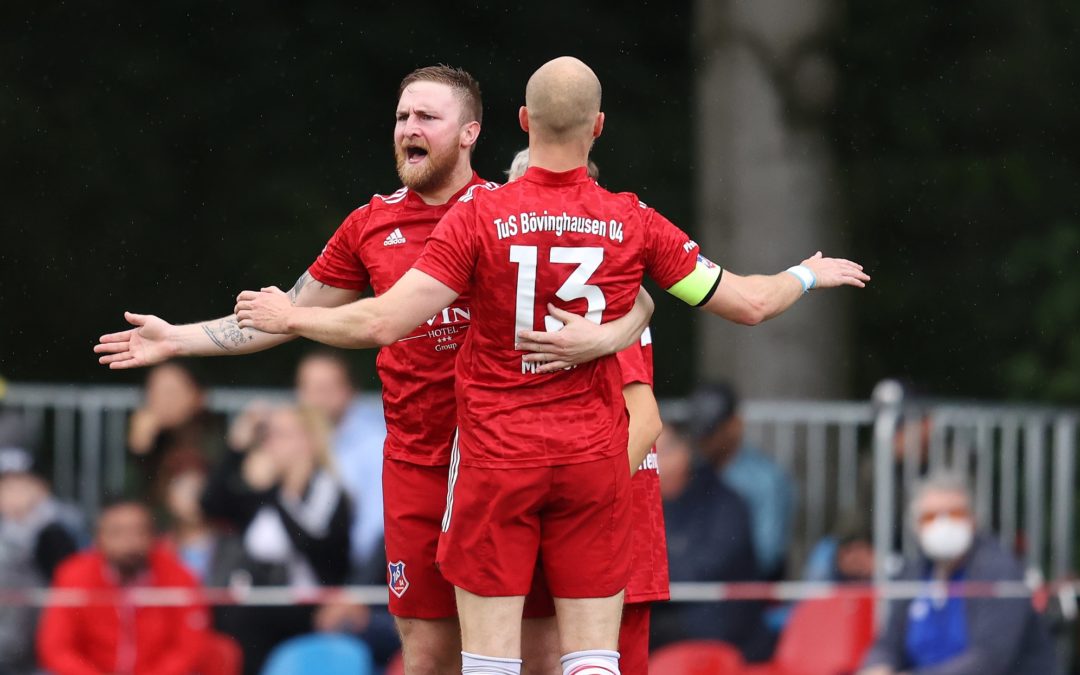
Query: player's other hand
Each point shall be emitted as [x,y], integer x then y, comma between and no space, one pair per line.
[149,342]
[578,341]
[266,309]
[833,272]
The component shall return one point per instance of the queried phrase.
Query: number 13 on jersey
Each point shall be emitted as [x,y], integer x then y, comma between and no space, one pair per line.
[587,259]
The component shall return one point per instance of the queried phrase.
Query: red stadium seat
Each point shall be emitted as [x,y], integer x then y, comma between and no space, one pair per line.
[823,637]
[696,657]
[396,666]
[222,656]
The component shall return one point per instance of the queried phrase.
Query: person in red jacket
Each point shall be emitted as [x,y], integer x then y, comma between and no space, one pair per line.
[122,638]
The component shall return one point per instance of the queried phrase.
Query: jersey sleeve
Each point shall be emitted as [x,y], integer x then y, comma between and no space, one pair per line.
[451,250]
[632,363]
[339,265]
[674,260]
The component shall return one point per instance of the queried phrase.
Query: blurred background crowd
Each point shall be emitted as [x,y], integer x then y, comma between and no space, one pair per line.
[220,144]
[287,494]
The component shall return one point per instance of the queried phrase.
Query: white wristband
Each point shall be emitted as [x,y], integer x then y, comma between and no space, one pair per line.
[805,276]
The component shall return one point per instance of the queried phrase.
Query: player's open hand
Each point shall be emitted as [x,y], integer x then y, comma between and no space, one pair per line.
[266,309]
[149,342]
[833,272]
[578,341]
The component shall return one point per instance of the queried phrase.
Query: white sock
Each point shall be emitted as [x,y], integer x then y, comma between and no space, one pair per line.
[591,662]
[474,664]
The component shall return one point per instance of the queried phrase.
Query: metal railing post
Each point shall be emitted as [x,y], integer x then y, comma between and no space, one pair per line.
[885,426]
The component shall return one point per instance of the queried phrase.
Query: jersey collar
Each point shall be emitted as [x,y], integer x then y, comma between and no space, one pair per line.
[414,200]
[537,175]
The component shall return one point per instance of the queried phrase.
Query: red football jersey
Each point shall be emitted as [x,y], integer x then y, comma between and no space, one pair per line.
[373,248]
[649,566]
[547,237]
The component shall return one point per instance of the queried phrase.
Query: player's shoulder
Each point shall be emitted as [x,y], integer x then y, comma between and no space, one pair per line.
[625,200]
[388,202]
[479,191]
[379,206]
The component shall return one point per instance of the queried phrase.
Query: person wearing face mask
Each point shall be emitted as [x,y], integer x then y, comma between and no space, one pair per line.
[935,635]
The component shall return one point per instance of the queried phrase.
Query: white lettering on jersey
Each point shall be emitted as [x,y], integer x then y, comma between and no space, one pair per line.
[651,462]
[527,223]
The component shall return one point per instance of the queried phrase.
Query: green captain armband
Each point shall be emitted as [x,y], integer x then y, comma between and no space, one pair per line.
[697,287]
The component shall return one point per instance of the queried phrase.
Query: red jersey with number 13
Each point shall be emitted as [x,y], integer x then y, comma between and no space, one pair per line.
[558,238]
[373,248]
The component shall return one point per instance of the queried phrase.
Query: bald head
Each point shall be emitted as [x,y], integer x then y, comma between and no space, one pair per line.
[563,100]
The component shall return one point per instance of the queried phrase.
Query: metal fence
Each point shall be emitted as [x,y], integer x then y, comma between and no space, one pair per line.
[845,457]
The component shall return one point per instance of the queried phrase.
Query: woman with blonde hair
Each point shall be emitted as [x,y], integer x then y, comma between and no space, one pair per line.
[281,494]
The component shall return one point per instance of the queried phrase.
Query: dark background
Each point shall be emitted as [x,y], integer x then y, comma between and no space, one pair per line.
[161,158]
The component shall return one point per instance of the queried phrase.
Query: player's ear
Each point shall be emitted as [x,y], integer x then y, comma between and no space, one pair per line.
[523,118]
[598,127]
[470,133]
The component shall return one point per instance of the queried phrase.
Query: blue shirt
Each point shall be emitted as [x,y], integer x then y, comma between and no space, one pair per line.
[770,493]
[937,628]
[358,450]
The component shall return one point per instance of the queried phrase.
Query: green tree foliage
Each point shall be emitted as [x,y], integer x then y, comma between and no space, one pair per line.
[956,133]
[163,157]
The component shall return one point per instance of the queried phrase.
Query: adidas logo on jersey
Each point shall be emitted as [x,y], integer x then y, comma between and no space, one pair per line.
[394,238]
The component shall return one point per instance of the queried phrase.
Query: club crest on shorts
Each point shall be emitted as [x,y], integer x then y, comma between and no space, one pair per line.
[396,578]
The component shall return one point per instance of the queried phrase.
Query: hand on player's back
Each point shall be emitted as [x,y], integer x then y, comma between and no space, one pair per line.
[266,309]
[578,341]
[144,345]
[833,272]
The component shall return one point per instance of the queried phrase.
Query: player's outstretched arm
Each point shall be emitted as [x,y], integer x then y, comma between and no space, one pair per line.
[580,340]
[752,299]
[153,340]
[371,322]
[645,422]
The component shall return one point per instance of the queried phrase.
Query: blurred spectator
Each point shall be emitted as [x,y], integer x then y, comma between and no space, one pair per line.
[324,383]
[110,635]
[173,421]
[709,539]
[37,532]
[717,428]
[846,555]
[293,516]
[941,635]
[195,540]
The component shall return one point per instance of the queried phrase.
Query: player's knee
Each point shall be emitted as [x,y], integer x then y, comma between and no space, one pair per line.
[430,662]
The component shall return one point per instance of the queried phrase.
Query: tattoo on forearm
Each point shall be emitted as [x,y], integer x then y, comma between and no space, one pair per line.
[304,280]
[228,331]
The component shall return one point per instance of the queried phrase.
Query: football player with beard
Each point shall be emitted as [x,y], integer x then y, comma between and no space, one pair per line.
[438,121]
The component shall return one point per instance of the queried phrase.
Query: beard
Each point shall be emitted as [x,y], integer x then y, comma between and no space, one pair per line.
[428,175]
[130,565]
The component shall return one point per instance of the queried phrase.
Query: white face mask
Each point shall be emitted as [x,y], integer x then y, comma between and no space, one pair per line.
[946,538]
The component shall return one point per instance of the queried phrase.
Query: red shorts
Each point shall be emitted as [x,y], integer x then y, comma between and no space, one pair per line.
[575,517]
[414,501]
[634,639]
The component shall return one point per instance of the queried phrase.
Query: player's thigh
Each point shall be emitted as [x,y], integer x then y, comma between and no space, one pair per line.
[414,502]
[585,544]
[589,623]
[430,646]
[490,626]
[634,639]
[492,533]
[540,652]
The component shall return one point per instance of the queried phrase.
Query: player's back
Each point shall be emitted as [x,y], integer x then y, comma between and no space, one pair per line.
[546,238]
